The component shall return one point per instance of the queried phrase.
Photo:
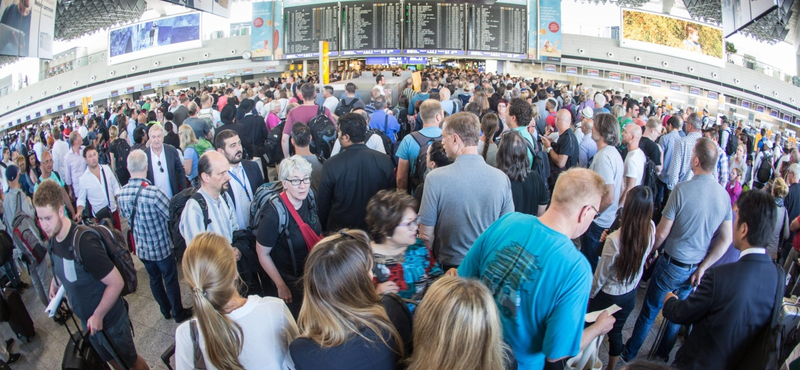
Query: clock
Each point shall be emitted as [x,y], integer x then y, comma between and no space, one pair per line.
[246,54]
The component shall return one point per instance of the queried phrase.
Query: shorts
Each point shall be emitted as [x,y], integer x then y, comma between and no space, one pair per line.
[122,338]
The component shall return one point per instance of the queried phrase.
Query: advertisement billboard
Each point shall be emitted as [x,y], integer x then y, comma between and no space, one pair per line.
[550,30]
[154,37]
[216,7]
[266,37]
[672,36]
[27,27]
[533,31]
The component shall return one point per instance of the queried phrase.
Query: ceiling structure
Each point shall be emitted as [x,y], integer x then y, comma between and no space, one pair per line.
[75,18]
[772,27]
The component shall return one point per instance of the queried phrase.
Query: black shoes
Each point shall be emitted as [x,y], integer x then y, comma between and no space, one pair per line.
[13,358]
[185,315]
[166,315]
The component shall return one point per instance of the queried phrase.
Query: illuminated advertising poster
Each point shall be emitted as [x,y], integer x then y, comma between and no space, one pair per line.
[572,70]
[550,30]
[266,39]
[675,87]
[615,76]
[694,90]
[745,104]
[593,73]
[760,109]
[155,37]
[636,79]
[713,95]
[549,67]
[533,32]
[672,36]
[773,113]
[655,83]
[27,28]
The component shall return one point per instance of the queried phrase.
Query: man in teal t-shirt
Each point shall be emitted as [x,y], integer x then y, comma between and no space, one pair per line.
[539,281]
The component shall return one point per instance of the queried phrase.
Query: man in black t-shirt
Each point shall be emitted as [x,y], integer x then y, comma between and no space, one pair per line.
[652,130]
[563,153]
[93,286]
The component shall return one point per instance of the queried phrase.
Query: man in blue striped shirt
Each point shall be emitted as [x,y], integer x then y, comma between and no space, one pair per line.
[151,236]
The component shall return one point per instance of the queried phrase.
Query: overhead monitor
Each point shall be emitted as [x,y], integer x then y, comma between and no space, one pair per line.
[154,37]
[672,36]
[216,7]
[493,30]
[434,28]
[27,27]
[371,27]
[307,25]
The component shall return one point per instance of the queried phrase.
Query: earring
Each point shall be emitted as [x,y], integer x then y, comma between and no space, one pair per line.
[388,237]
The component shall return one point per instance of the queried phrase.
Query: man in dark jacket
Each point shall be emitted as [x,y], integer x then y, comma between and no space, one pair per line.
[165,168]
[352,177]
[733,303]
[255,129]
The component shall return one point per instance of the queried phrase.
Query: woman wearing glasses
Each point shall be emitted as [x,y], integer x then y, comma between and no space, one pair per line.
[400,262]
[283,248]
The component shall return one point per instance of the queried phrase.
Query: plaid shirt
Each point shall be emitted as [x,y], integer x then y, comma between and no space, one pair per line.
[722,171]
[150,231]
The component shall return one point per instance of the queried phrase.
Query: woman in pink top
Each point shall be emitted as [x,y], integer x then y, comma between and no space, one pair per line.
[272,117]
[734,186]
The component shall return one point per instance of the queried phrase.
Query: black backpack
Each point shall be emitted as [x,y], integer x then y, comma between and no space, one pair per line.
[122,149]
[323,133]
[541,162]
[176,206]
[116,246]
[273,148]
[344,107]
[388,146]
[764,173]
[733,144]
[417,177]
[650,178]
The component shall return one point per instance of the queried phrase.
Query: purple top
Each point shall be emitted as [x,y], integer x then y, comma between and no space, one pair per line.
[734,190]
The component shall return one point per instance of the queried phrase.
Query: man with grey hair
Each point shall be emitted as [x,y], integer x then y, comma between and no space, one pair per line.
[165,170]
[147,209]
[680,166]
[380,120]
[608,163]
[599,103]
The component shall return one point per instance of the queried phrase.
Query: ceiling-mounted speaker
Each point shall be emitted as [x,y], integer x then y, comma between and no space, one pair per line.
[58,88]
[736,81]
[156,64]
[714,74]
[205,55]
[758,88]
[44,93]
[691,69]
[610,54]
[233,51]
[665,63]
[637,58]
[93,78]
[775,93]
[180,59]
[112,73]
[581,51]
[74,83]
[133,68]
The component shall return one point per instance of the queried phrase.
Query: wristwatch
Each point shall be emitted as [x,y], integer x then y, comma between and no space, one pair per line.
[549,148]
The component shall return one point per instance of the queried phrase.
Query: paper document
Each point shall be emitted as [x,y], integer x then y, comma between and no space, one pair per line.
[52,308]
[592,316]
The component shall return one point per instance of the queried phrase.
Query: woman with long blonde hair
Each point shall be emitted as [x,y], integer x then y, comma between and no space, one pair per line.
[231,331]
[343,324]
[457,327]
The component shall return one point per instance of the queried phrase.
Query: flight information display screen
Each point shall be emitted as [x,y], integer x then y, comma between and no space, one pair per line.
[371,27]
[493,30]
[434,28]
[307,25]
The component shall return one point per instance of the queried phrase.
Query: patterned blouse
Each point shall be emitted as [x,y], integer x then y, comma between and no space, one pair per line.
[413,271]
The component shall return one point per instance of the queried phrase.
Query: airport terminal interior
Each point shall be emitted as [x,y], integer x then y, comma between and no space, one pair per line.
[551,184]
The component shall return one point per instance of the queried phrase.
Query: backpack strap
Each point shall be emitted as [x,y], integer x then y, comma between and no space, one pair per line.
[135,202]
[420,138]
[199,360]
[203,207]
[79,232]
[283,227]
[57,176]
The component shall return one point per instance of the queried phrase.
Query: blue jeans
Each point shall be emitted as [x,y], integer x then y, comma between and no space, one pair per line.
[666,278]
[170,300]
[590,244]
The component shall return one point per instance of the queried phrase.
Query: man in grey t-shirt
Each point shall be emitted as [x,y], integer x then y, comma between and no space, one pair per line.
[608,163]
[695,211]
[462,200]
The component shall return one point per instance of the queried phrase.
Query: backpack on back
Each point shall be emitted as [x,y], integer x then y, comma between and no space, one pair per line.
[26,233]
[764,173]
[323,133]
[417,176]
[733,144]
[208,117]
[273,147]
[344,107]
[176,206]
[116,247]
[388,146]
[201,146]
[541,162]
[650,178]
[121,154]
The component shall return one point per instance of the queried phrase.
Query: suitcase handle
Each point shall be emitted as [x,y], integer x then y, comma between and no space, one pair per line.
[103,337]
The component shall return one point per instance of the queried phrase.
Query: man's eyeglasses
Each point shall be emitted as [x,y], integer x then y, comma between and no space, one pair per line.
[596,212]
[161,168]
[296,182]
[410,224]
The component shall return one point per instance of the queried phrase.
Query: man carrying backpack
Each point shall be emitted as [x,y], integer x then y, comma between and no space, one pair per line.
[415,146]
[764,169]
[302,114]
[15,202]
[92,282]
[349,101]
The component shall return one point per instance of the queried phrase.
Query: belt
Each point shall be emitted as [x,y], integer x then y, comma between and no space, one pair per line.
[679,263]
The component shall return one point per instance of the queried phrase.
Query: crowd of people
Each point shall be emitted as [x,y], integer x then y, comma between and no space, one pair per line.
[470,224]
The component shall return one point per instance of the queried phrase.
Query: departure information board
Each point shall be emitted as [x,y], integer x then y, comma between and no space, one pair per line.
[371,27]
[434,28]
[494,30]
[307,25]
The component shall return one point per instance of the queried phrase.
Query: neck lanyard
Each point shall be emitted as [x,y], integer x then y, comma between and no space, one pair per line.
[243,184]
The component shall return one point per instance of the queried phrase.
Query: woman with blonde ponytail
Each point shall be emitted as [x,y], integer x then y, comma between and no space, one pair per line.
[232,332]
[343,324]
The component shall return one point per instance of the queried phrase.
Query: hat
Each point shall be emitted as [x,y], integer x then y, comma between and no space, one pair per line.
[588,112]
[11,172]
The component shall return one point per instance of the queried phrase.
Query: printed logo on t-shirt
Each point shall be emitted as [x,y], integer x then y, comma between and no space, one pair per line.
[510,268]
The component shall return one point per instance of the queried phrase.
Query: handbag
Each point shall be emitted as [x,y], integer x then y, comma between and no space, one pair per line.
[133,217]
[104,212]
[309,235]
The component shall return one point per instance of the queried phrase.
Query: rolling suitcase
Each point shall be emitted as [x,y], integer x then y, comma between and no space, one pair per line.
[18,317]
[79,353]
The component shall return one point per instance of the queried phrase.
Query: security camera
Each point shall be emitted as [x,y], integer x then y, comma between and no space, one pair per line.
[691,69]
[610,54]
[714,74]
[156,64]
[665,63]
[581,51]
[637,58]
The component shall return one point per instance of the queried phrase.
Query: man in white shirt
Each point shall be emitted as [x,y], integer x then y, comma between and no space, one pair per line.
[212,169]
[374,142]
[245,175]
[331,102]
[59,151]
[381,80]
[99,186]
[74,164]
[82,128]
[634,161]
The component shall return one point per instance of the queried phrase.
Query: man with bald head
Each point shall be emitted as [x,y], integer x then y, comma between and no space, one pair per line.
[563,153]
[697,209]
[212,169]
[634,161]
[540,282]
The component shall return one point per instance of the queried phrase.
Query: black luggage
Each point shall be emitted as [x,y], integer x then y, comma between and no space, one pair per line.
[18,317]
[79,353]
